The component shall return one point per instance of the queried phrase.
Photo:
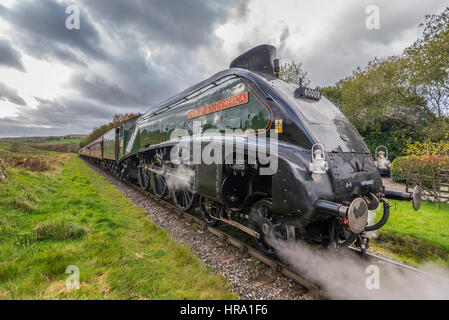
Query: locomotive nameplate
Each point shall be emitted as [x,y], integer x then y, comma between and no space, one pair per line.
[227,103]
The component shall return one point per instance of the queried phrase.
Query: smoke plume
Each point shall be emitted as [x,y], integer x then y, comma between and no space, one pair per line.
[341,275]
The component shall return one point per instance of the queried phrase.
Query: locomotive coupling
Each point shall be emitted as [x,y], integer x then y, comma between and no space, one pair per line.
[356,213]
[415,196]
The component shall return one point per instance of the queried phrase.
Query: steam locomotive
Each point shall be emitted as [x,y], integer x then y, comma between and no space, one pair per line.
[323,180]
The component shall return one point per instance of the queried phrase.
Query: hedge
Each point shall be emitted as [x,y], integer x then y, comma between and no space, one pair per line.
[411,167]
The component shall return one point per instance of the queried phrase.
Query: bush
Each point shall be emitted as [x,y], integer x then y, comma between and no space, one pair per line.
[418,168]
[429,148]
[396,170]
[3,173]
[423,161]
[37,163]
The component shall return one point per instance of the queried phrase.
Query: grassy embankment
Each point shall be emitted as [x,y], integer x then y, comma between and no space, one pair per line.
[73,216]
[415,236]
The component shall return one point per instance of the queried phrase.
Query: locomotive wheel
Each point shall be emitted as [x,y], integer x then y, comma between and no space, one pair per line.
[262,220]
[124,174]
[117,170]
[207,209]
[144,179]
[158,185]
[184,199]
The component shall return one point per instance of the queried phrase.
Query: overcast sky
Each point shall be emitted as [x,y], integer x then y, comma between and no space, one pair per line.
[128,55]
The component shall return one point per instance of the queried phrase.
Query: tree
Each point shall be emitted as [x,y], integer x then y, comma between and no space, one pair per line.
[379,93]
[428,68]
[292,72]
[97,132]
[119,118]
[404,96]
[333,93]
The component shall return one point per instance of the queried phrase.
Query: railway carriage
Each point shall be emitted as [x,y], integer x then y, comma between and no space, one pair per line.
[325,179]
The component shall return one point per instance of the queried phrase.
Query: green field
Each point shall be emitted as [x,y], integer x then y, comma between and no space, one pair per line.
[415,236]
[67,144]
[73,216]
[45,140]
[63,141]
[7,149]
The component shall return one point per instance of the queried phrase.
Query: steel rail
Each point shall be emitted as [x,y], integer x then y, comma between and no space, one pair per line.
[372,258]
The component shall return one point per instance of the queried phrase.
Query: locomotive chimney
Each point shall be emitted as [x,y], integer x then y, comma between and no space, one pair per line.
[260,59]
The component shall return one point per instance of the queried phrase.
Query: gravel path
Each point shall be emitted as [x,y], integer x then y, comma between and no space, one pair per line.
[390,184]
[241,274]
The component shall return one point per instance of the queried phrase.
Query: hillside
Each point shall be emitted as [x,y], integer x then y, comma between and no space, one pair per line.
[68,139]
[68,143]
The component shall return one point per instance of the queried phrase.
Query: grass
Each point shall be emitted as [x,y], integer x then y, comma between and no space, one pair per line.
[75,217]
[38,163]
[416,236]
[8,149]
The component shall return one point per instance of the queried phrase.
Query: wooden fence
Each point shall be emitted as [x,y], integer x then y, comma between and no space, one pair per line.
[435,187]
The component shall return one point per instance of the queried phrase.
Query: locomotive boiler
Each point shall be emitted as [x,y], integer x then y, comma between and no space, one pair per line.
[197,150]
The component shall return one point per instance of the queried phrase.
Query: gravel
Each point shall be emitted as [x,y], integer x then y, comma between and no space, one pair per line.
[240,274]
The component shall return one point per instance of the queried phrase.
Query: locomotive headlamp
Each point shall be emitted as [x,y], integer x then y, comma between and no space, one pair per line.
[319,163]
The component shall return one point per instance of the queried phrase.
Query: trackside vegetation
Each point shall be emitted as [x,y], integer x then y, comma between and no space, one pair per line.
[74,217]
[415,237]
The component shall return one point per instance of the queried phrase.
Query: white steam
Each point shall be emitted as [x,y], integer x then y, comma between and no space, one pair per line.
[179,178]
[345,276]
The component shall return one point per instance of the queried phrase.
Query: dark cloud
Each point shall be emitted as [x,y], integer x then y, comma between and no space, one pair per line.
[11,95]
[187,24]
[9,56]
[60,116]
[94,87]
[130,55]
[126,57]
[40,27]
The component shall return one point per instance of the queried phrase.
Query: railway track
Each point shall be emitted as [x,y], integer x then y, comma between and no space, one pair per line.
[276,267]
